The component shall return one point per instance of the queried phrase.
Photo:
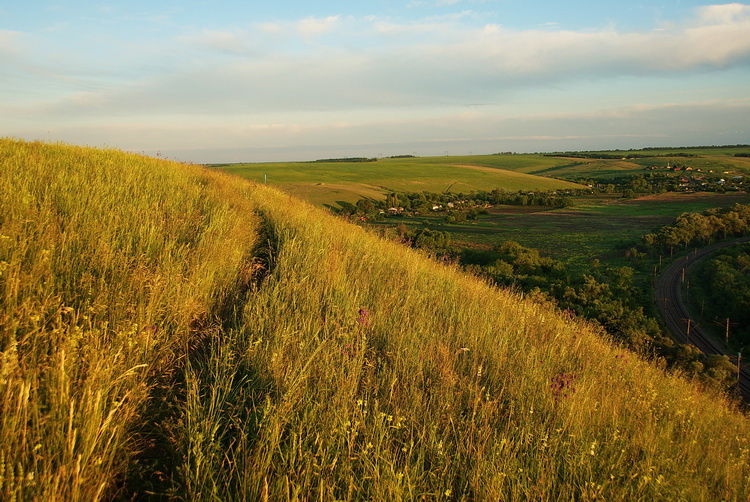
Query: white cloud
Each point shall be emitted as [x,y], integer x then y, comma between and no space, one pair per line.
[303,81]
[723,14]
[312,27]
[374,64]
[450,50]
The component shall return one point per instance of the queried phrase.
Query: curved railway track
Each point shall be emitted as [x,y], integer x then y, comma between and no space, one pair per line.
[684,329]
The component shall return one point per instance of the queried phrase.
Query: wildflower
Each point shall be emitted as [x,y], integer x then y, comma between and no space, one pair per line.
[364,317]
[448,492]
[562,385]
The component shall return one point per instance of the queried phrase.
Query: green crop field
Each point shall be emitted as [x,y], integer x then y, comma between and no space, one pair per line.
[328,182]
[717,159]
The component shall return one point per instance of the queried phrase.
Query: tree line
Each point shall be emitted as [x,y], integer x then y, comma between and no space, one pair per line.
[699,229]
[422,203]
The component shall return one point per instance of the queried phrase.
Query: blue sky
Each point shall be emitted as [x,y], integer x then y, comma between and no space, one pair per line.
[224,81]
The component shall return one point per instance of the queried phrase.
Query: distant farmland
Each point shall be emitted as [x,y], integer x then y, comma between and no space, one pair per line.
[326,183]
[329,182]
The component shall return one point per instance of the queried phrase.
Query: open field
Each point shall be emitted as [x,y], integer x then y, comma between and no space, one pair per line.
[718,159]
[171,332]
[329,182]
[594,227]
[325,183]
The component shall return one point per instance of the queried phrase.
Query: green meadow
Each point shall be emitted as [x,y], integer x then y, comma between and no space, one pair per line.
[718,159]
[328,182]
[596,227]
[171,332]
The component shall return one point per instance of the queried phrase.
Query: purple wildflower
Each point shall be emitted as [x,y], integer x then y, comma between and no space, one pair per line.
[562,385]
[364,317]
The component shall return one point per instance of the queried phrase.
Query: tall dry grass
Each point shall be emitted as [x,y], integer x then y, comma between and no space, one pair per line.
[356,370]
[110,268]
[374,373]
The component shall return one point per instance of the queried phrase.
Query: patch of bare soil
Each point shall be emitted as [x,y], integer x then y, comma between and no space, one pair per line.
[671,197]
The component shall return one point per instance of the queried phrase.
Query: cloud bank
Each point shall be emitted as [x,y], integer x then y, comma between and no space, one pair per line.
[349,78]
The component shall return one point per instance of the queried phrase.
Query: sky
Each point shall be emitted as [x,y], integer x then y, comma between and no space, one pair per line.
[210,81]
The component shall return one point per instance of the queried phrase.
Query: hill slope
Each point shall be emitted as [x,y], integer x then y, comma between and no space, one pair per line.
[169,330]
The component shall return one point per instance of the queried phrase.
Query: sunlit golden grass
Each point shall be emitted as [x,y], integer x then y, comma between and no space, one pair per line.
[447,389]
[108,261]
[355,369]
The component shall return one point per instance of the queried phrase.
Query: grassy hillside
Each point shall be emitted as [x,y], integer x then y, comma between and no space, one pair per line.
[329,182]
[170,330]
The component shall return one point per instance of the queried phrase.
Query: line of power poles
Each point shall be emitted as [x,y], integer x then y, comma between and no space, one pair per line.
[687,335]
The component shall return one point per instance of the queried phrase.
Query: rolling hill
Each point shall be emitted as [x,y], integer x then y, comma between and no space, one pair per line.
[171,331]
[330,182]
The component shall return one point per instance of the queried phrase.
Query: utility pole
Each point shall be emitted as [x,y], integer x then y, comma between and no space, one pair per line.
[687,338]
[727,332]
